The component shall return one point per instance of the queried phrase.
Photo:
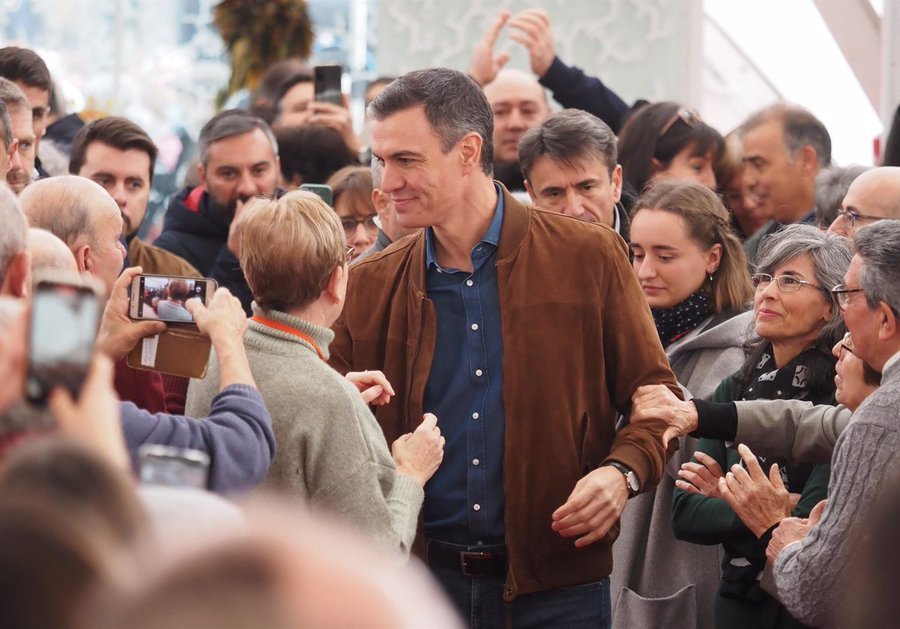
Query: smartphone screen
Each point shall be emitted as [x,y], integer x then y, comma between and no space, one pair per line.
[327,84]
[64,321]
[173,467]
[164,298]
[321,190]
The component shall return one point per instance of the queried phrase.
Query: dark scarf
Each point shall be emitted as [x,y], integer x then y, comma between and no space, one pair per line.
[765,381]
[673,323]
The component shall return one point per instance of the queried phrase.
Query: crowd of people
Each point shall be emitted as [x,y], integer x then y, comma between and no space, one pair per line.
[489,362]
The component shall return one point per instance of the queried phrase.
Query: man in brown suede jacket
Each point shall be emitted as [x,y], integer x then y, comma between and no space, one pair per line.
[526,333]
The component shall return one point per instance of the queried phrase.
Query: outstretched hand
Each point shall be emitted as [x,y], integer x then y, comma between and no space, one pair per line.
[758,501]
[655,402]
[118,334]
[531,28]
[484,65]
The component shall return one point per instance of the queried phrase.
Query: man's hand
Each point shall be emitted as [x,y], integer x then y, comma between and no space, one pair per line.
[118,334]
[700,478]
[223,319]
[94,418]
[531,28]
[337,118]
[792,530]
[758,501]
[593,506]
[484,66]
[418,454]
[655,401]
[373,386]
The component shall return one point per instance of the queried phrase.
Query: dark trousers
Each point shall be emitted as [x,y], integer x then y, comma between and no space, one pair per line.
[479,600]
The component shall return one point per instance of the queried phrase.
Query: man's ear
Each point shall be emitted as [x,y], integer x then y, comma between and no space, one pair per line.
[201,173]
[380,200]
[887,324]
[470,151]
[807,161]
[17,282]
[337,284]
[84,258]
[615,183]
[530,191]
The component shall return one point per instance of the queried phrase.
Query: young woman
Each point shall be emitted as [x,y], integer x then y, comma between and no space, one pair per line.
[663,141]
[694,276]
[796,327]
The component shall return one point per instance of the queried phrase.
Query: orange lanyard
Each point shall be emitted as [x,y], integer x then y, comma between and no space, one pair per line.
[288,330]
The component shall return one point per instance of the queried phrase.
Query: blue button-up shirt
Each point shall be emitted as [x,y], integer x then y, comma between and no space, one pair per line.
[464,499]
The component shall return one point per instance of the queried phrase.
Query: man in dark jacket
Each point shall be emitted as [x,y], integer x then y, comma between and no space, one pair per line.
[238,161]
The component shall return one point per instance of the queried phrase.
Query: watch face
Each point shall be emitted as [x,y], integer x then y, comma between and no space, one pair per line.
[632,480]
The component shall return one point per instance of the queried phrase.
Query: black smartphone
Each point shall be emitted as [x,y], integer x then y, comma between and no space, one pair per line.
[327,84]
[61,336]
[173,467]
[163,297]
[324,192]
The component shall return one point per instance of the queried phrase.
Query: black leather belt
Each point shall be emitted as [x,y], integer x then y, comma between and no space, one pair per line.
[470,563]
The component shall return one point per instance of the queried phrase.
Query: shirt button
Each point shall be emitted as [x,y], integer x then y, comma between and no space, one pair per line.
[475,461]
[470,283]
[478,372]
[475,415]
[474,326]
[476,507]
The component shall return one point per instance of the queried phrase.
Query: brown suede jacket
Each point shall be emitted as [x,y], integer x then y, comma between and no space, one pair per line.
[578,339]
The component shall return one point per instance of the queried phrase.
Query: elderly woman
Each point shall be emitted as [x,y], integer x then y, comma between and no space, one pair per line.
[330,450]
[797,325]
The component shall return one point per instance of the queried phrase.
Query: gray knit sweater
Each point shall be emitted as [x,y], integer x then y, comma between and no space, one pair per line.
[329,448]
[808,574]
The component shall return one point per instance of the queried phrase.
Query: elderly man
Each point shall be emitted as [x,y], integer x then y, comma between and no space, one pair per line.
[49,253]
[120,156]
[481,320]
[15,262]
[238,161]
[874,195]
[784,148]
[570,166]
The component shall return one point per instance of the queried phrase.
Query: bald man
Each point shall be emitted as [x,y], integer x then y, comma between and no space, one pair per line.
[49,253]
[873,196]
[519,103]
[83,215]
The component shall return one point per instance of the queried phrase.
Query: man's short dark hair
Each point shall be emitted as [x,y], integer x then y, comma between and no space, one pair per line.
[567,136]
[25,66]
[119,133]
[454,106]
[800,127]
[230,123]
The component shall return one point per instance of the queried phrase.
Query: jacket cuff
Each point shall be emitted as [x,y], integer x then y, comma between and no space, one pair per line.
[715,420]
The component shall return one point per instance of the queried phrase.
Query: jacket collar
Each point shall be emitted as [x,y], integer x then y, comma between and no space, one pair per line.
[512,233]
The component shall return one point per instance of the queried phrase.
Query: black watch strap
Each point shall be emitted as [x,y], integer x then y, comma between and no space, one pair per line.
[631,479]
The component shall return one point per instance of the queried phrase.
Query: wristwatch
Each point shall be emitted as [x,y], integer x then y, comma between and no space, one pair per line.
[631,479]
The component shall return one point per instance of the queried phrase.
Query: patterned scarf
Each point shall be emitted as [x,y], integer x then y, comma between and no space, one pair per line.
[673,323]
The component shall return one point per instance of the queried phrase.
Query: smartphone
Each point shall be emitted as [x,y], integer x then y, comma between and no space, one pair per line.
[163,297]
[173,467]
[327,84]
[320,189]
[61,336]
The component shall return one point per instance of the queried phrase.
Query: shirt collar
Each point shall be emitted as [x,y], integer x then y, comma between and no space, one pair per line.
[891,361]
[491,236]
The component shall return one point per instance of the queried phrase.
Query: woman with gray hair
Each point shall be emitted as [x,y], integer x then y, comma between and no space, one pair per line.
[796,325]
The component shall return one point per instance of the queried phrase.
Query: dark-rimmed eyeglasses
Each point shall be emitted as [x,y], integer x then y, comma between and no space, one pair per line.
[687,116]
[786,283]
[349,224]
[841,295]
[851,216]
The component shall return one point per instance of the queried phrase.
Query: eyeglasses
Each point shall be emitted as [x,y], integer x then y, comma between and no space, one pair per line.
[786,283]
[350,252]
[847,343]
[349,224]
[851,216]
[688,117]
[841,295]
